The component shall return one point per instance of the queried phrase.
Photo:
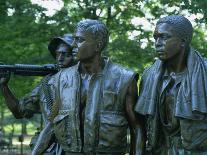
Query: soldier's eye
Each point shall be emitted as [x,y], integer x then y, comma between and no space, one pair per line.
[79,39]
[165,37]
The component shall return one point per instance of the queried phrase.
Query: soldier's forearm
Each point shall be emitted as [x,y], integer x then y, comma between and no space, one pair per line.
[139,141]
[43,140]
[136,142]
[11,101]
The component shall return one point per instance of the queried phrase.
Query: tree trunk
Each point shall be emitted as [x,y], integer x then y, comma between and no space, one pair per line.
[24,127]
[2,119]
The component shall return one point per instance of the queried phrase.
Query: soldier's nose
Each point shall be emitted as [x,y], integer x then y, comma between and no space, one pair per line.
[73,43]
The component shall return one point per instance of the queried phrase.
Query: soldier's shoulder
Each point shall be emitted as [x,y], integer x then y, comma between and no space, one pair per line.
[152,68]
[68,70]
[72,68]
[117,68]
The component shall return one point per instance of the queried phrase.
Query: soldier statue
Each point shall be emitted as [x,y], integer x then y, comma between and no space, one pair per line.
[41,98]
[95,99]
[173,92]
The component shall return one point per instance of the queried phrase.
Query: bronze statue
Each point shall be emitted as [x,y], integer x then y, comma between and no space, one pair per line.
[173,92]
[41,98]
[95,99]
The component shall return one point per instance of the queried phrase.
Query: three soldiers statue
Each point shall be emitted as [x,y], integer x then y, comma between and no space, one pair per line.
[93,102]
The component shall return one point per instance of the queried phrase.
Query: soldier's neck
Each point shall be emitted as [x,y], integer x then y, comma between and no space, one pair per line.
[177,64]
[92,66]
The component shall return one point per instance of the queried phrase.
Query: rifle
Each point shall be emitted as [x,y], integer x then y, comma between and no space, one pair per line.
[28,70]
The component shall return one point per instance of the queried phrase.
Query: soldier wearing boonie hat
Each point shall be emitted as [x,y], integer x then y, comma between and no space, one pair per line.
[55,42]
[41,98]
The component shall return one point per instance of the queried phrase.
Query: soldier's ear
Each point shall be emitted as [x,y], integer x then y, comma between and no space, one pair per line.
[183,43]
[98,46]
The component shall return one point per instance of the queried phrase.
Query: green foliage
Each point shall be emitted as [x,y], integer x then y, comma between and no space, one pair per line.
[26,30]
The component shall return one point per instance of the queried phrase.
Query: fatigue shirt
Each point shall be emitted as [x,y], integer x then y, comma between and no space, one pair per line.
[37,100]
[169,139]
[105,124]
[190,106]
[190,135]
[184,136]
[40,101]
[170,87]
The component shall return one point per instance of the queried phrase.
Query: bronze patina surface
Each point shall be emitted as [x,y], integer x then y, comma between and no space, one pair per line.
[173,92]
[95,99]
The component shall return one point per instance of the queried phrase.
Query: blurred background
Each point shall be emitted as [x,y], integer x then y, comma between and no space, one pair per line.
[27,26]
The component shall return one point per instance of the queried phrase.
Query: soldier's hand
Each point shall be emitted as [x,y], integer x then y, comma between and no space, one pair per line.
[4,78]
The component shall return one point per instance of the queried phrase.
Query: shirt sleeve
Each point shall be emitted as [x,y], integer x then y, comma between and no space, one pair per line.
[29,105]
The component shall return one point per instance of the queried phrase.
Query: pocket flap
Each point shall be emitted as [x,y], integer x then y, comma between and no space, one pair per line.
[62,114]
[113,118]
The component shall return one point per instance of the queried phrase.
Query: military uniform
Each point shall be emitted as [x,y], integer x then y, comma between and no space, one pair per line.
[40,101]
[100,127]
[175,108]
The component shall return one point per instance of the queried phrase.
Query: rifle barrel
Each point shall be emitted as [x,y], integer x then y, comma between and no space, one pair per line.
[29,70]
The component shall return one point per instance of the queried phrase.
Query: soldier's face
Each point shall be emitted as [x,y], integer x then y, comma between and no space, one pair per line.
[167,44]
[84,46]
[63,55]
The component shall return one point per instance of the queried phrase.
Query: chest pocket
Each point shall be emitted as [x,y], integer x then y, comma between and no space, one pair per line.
[112,131]
[193,134]
[109,99]
[61,131]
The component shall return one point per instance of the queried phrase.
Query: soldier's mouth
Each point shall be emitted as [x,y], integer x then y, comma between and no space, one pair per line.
[160,53]
[159,50]
[74,52]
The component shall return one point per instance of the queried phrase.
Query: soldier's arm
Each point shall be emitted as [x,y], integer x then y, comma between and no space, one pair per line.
[17,109]
[136,122]
[44,139]
[11,101]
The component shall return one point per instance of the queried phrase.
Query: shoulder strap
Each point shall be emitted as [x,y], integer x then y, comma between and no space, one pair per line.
[55,106]
[47,91]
